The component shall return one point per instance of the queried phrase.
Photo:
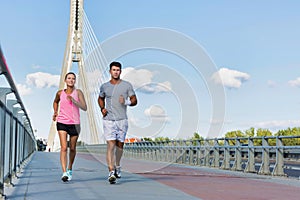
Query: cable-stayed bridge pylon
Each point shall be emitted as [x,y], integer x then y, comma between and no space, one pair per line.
[83,49]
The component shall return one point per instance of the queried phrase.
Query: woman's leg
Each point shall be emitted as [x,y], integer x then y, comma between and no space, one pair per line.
[63,149]
[73,141]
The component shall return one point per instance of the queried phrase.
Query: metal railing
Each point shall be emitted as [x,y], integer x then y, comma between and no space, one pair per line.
[224,153]
[17,141]
[250,155]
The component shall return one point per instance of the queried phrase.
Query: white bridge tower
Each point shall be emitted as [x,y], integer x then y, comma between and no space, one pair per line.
[74,55]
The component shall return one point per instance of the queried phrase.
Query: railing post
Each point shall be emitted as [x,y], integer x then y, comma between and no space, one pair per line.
[125,152]
[12,148]
[265,165]
[146,151]
[206,153]
[201,153]
[170,150]
[158,151]
[173,152]
[2,149]
[133,150]
[155,151]
[226,158]
[167,156]
[181,152]
[237,165]
[191,153]
[164,154]
[250,166]
[216,157]
[197,156]
[184,152]
[139,150]
[151,151]
[278,168]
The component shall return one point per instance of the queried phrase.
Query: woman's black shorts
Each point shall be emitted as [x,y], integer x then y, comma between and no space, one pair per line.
[71,129]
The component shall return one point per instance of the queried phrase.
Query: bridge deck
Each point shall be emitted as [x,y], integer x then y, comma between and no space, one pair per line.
[40,179]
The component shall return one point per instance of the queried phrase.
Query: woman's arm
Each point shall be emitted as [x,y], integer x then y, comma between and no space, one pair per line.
[55,105]
[81,103]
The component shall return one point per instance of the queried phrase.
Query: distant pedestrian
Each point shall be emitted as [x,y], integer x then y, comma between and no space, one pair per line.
[66,107]
[115,95]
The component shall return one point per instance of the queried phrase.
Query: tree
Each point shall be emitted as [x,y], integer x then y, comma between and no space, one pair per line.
[234,134]
[147,139]
[290,132]
[196,138]
[250,132]
[162,139]
[261,133]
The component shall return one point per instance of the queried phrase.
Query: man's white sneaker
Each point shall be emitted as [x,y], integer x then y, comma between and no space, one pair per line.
[118,172]
[111,177]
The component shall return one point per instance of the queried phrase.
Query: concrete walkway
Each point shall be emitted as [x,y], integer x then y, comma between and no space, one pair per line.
[40,180]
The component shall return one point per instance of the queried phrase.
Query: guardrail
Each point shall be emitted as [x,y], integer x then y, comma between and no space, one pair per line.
[17,141]
[223,153]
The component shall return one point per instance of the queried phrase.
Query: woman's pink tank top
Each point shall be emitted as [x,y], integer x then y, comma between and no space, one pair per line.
[68,112]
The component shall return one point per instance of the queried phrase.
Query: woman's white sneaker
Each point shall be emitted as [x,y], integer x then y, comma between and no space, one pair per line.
[65,177]
[70,173]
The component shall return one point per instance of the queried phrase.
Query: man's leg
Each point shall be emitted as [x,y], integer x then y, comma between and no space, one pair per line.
[110,160]
[119,152]
[122,131]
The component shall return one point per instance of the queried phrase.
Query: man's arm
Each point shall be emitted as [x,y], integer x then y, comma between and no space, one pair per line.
[101,103]
[133,100]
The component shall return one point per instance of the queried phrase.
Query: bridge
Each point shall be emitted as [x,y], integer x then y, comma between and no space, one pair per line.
[219,168]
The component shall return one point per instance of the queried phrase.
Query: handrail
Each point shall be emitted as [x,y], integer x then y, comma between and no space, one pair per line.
[17,140]
[5,71]
[261,159]
[210,153]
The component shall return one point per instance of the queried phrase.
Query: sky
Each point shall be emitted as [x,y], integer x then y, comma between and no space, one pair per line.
[248,74]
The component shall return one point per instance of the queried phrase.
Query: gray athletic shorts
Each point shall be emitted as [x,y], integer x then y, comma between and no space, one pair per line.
[115,130]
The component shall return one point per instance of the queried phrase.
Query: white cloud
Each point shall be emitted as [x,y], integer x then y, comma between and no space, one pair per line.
[23,89]
[42,80]
[156,87]
[143,80]
[36,67]
[277,124]
[156,112]
[295,83]
[230,78]
[271,83]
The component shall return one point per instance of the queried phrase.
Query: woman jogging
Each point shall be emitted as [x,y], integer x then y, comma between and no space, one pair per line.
[66,107]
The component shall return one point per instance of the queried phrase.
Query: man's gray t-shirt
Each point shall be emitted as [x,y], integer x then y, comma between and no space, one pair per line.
[116,110]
